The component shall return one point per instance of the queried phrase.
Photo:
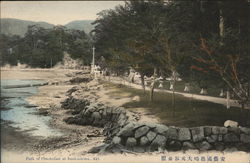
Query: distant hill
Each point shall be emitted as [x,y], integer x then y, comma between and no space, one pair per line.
[19,27]
[81,25]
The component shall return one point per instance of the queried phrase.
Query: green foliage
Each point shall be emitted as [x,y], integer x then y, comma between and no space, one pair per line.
[8,46]
[167,35]
[79,45]
[44,48]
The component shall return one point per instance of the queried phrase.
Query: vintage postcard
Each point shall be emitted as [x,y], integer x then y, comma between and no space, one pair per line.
[165,81]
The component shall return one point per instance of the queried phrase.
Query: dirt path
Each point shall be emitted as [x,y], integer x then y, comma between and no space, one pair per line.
[105,95]
[217,100]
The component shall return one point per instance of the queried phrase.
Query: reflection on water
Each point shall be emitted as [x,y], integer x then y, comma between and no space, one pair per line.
[21,114]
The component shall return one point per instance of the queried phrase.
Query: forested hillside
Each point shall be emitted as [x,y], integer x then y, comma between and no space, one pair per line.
[19,27]
[81,25]
[44,48]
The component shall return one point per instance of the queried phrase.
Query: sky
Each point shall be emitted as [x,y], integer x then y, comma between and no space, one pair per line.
[55,12]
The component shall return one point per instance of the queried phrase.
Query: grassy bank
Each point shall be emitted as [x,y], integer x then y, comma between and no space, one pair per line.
[188,112]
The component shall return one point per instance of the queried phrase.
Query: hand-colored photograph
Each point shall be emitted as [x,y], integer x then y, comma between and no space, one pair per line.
[152,81]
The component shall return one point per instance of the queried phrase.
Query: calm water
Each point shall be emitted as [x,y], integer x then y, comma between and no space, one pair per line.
[22,115]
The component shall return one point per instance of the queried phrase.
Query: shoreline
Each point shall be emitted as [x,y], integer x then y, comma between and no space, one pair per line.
[48,99]
[76,143]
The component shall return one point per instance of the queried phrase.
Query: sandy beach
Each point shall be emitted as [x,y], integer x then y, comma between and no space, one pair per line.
[75,140]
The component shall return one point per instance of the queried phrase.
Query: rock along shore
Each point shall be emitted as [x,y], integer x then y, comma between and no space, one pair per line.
[124,134]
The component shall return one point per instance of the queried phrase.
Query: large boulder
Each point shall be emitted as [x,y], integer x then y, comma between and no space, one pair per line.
[174,145]
[214,137]
[97,119]
[188,145]
[219,130]
[150,124]
[197,134]
[141,131]
[73,89]
[219,146]
[203,146]
[89,110]
[159,141]
[231,138]
[131,142]
[77,80]
[245,130]
[161,129]
[172,133]
[122,119]
[220,137]
[151,135]
[184,134]
[245,138]
[144,141]
[210,139]
[96,116]
[207,131]
[74,103]
[75,120]
[235,130]
[127,130]
[116,140]
[230,123]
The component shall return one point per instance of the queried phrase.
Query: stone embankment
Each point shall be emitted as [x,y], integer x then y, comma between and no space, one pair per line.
[125,134]
[88,112]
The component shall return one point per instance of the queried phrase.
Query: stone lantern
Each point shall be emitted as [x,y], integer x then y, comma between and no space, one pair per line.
[203,91]
[161,82]
[187,87]
[171,85]
[222,93]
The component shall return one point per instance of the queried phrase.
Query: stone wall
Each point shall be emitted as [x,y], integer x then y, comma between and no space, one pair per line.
[151,137]
[121,131]
[90,113]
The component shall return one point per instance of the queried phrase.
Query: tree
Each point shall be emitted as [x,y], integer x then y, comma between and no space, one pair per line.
[78,45]
[44,48]
[9,50]
[224,56]
[115,38]
[158,36]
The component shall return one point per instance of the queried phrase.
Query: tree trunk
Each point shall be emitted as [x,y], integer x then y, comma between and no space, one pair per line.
[221,27]
[153,86]
[228,100]
[173,99]
[248,89]
[242,107]
[143,83]
[152,92]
